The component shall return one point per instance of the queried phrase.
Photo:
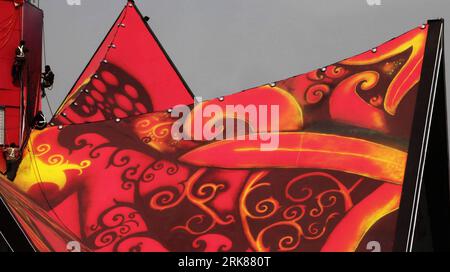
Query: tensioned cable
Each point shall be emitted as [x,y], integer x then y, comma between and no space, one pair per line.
[45,62]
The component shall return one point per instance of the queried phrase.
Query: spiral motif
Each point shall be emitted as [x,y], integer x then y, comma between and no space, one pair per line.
[302,214]
[315,93]
[42,149]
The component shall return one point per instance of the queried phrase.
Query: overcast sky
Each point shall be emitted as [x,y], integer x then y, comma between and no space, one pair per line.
[224,46]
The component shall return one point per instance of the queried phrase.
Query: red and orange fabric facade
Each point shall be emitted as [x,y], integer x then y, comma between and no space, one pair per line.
[19,103]
[109,174]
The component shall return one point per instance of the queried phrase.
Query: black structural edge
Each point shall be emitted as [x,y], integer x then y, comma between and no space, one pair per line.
[4,245]
[409,202]
[436,189]
[11,232]
[162,49]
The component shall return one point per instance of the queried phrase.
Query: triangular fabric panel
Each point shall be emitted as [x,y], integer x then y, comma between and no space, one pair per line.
[340,178]
[130,74]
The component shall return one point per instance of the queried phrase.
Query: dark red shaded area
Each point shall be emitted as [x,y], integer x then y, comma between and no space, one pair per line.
[129,50]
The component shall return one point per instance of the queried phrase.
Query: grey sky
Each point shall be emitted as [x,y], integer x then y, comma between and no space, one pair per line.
[222,47]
